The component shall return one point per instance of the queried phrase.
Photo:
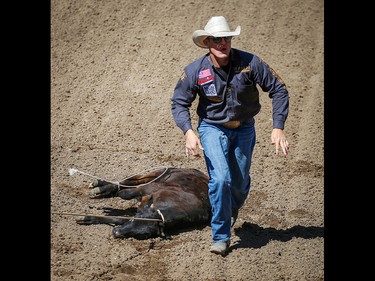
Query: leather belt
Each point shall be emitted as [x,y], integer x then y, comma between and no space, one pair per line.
[232,124]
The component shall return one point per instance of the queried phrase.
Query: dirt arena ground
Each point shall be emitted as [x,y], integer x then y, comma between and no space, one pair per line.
[114,65]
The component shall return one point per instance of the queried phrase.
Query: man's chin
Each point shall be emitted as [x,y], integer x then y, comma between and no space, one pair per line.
[221,55]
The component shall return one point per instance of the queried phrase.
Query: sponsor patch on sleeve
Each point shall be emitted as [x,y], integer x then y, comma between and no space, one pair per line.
[183,76]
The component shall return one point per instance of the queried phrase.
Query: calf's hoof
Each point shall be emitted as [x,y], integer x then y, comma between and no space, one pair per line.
[103,191]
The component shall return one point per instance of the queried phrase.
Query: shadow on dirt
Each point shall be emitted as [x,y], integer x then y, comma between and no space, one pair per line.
[254,236]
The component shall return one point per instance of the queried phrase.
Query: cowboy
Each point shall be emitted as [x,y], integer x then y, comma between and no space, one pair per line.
[226,79]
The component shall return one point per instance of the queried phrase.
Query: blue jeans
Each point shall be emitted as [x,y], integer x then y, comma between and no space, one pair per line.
[228,155]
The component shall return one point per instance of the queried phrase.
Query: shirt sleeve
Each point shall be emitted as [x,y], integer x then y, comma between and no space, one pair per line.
[181,101]
[271,82]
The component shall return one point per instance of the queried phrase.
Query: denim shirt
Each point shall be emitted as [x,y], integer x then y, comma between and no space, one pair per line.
[228,96]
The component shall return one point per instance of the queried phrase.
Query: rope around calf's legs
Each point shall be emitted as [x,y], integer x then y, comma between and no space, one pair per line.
[161,225]
[161,215]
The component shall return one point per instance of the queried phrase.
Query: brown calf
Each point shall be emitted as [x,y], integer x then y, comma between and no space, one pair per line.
[170,199]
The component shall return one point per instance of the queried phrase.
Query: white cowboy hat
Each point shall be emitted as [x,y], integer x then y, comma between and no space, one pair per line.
[215,27]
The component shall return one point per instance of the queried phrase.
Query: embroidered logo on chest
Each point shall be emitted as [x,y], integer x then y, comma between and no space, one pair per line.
[211,90]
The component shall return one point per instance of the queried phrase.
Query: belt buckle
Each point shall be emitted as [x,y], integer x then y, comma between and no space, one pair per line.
[232,124]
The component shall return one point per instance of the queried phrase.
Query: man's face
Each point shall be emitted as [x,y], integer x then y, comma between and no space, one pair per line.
[219,46]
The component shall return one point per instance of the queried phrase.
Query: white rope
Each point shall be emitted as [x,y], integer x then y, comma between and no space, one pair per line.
[161,227]
[73,171]
[145,171]
[160,213]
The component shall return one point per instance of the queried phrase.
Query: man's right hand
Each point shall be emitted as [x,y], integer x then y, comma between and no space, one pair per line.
[192,141]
